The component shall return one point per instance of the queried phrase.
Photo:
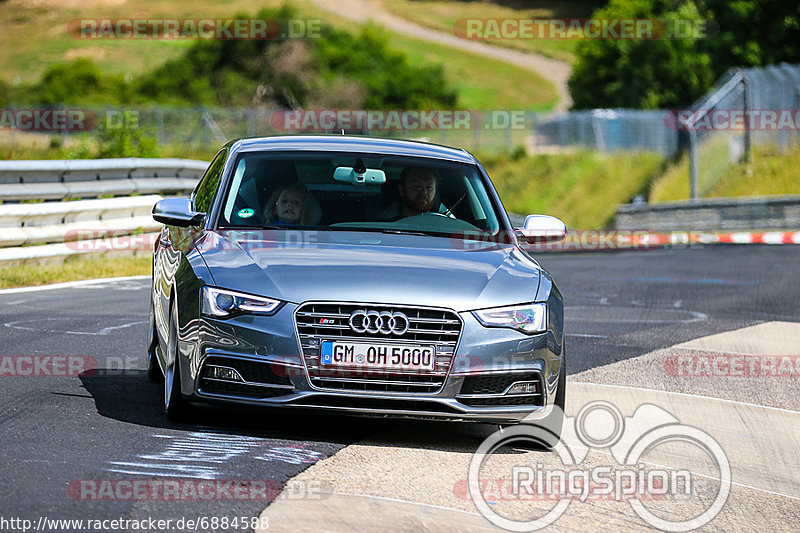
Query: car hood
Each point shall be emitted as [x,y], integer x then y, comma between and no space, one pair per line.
[297,266]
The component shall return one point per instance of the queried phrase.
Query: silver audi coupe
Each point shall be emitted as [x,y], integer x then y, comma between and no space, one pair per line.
[356,275]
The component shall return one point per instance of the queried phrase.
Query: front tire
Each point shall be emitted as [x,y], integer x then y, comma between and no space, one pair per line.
[175,406]
[153,367]
[553,423]
[556,423]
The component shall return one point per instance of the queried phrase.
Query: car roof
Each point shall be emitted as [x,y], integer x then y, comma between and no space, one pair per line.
[350,143]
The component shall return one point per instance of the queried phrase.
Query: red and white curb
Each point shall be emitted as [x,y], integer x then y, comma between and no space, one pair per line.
[593,240]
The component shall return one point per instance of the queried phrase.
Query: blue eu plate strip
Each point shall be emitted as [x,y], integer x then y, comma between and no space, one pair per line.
[327,353]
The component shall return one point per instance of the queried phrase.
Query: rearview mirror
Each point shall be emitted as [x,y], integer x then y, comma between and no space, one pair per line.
[364,176]
[542,228]
[177,212]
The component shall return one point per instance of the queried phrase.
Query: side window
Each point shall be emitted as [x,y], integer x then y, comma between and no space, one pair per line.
[207,189]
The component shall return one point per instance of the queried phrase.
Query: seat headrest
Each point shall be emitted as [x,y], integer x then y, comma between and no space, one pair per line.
[313,211]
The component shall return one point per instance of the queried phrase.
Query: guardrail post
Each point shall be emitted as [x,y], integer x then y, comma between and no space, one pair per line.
[160,133]
[746,105]
[693,165]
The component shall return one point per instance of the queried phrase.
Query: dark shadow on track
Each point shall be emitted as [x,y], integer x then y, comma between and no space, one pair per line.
[130,397]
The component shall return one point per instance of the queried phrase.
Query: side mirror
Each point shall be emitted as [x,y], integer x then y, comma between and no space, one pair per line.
[542,228]
[177,212]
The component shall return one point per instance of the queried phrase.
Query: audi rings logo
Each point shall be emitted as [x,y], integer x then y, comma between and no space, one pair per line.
[384,322]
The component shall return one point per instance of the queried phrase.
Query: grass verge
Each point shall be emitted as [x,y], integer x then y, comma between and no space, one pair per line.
[482,83]
[75,268]
[35,37]
[38,146]
[442,15]
[582,188]
[769,172]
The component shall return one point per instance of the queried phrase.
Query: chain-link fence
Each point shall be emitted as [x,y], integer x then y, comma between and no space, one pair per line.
[204,127]
[606,130]
[747,107]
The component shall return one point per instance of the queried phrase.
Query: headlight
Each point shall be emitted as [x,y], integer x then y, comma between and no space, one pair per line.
[530,318]
[222,303]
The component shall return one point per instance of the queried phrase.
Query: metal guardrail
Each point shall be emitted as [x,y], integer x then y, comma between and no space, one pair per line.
[94,189]
[60,170]
[56,221]
[713,214]
[28,216]
[90,178]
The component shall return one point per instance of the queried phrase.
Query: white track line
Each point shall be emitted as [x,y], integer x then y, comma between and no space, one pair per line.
[397,500]
[743,485]
[70,284]
[689,395]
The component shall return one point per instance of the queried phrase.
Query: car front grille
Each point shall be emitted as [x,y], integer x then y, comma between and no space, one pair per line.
[317,322]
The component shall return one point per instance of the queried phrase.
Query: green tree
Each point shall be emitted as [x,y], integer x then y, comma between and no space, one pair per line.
[391,81]
[75,82]
[751,32]
[675,72]
[292,73]
[641,73]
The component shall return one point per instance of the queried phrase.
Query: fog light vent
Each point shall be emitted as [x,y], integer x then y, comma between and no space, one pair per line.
[523,387]
[225,373]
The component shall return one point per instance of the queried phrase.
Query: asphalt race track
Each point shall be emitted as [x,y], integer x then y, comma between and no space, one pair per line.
[62,437]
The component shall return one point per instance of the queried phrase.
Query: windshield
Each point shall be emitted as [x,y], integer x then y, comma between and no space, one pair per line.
[358,192]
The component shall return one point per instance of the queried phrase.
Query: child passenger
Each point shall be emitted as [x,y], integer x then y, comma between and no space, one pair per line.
[287,206]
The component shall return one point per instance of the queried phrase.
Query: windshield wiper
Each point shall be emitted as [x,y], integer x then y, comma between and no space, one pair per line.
[393,231]
[297,227]
[389,231]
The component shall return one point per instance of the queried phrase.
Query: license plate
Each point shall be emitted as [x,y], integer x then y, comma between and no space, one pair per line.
[381,356]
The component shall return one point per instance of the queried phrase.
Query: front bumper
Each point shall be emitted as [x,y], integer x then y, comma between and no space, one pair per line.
[267,355]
